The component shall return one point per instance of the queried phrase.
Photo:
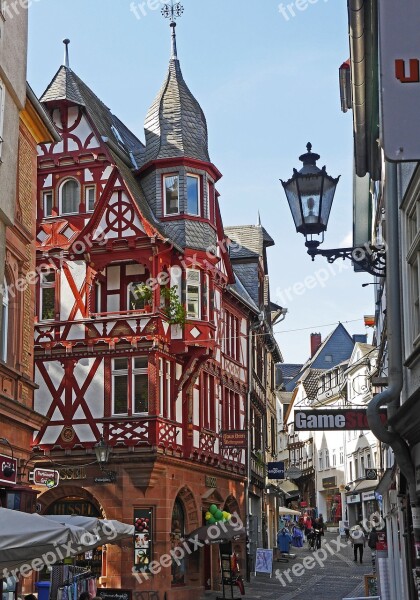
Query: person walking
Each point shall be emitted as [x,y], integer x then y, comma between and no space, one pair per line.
[373,539]
[318,533]
[358,541]
[321,523]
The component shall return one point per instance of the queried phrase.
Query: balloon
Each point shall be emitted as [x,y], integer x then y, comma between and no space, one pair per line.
[213,509]
[208,515]
[218,515]
[211,521]
[226,515]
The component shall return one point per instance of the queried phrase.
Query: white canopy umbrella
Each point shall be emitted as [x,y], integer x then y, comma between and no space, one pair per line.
[25,538]
[107,531]
[288,511]
[30,541]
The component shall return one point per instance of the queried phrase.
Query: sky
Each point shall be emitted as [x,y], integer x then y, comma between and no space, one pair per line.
[268,84]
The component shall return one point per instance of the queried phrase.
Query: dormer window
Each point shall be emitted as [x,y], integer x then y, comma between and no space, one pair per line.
[69,197]
[171,194]
[193,195]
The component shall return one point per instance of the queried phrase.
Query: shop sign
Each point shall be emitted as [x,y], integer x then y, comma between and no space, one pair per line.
[371,474]
[8,465]
[73,473]
[237,438]
[275,470]
[353,499]
[400,78]
[366,496]
[74,507]
[346,419]
[143,526]
[114,594]
[47,477]
[329,482]
[293,473]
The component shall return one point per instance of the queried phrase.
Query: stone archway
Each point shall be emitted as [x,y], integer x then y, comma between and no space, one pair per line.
[192,515]
[67,492]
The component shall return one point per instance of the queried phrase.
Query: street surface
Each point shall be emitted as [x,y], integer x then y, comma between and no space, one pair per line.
[339,578]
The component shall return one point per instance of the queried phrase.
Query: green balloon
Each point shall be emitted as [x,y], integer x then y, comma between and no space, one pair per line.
[211,521]
[213,509]
[218,515]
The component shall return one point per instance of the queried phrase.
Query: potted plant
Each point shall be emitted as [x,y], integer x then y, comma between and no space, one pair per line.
[172,308]
[143,292]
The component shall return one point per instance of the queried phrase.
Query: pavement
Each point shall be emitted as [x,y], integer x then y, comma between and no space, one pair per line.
[335,577]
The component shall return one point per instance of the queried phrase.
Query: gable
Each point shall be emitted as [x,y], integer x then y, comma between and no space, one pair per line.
[119,219]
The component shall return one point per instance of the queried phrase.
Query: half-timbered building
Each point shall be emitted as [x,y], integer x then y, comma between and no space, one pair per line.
[142,331]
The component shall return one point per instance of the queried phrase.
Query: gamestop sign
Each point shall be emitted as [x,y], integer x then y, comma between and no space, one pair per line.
[347,419]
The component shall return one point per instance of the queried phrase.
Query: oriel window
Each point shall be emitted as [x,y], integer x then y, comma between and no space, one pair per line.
[171,191]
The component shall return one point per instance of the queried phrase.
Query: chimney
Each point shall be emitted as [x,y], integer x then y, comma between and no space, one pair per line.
[316,341]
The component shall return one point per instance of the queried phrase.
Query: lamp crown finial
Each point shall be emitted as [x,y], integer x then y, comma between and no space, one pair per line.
[309,146]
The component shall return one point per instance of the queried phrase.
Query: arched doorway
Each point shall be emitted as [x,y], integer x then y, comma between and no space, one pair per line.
[184,519]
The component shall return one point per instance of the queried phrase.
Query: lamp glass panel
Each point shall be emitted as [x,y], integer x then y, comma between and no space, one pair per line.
[310,189]
[327,200]
[292,196]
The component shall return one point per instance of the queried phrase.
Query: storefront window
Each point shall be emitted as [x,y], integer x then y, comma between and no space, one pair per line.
[334,509]
[177,533]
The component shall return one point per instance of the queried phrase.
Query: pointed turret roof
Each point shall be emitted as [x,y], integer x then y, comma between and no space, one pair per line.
[175,125]
[63,87]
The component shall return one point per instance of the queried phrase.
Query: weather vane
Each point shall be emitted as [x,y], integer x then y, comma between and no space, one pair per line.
[172,11]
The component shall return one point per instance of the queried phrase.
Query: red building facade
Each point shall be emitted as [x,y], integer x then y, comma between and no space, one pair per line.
[142,330]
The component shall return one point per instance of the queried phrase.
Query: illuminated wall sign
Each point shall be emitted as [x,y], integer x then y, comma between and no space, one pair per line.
[400,78]
[346,419]
[234,439]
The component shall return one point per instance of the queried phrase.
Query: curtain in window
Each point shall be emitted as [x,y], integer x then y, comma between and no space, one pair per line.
[70,197]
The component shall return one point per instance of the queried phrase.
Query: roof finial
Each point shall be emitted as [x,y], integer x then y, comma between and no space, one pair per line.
[66,42]
[173,11]
[259,219]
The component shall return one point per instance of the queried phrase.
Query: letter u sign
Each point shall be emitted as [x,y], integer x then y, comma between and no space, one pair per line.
[414,73]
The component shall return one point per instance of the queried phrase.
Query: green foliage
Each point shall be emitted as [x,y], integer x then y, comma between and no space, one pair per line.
[144,292]
[173,309]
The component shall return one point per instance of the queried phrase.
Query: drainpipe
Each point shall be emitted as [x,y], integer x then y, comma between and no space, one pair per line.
[248,451]
[390,397]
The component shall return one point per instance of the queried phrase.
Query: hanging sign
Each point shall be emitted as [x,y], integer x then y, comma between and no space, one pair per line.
[236,438]
[346,419]
[8,469]
[275,470]
[48,477]
[400,78]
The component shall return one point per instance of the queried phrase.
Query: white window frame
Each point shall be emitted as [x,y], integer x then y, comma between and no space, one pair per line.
[193,176]
[165,177]
[321,460]
[2,103]
[341,457]
[138,371]
[194,316]
[120,373]
[327,458]
[44,202]
[43,286]
[88,188]
[60,196]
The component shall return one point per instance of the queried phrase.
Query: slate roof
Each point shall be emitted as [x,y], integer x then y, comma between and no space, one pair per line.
[248,274]
[288,371]
[250,239]
[311,383]
[239,290]
[175,125]
[66,85]
[338,345]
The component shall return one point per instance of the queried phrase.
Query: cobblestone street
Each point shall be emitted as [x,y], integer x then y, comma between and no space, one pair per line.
[339,578]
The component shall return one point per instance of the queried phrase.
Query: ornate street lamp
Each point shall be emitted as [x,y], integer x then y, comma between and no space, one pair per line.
[102,451]
[310,194]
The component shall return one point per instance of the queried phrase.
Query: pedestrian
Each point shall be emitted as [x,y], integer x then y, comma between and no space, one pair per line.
[321,523]
[373,539]
[308,525]
[358,541]
[318,533]
[85,596]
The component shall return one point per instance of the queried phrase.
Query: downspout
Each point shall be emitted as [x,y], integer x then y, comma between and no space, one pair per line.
[390,397]
[358,82]
[248,452]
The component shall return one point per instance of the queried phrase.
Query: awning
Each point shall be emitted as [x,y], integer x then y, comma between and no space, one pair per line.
[385,482]
[289,487]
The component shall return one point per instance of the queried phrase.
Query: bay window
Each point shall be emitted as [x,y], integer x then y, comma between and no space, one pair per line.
[193,195]
[193,294]
[129,386]
[171,194]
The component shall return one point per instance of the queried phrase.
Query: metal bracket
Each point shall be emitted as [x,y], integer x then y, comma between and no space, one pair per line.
[371,259]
